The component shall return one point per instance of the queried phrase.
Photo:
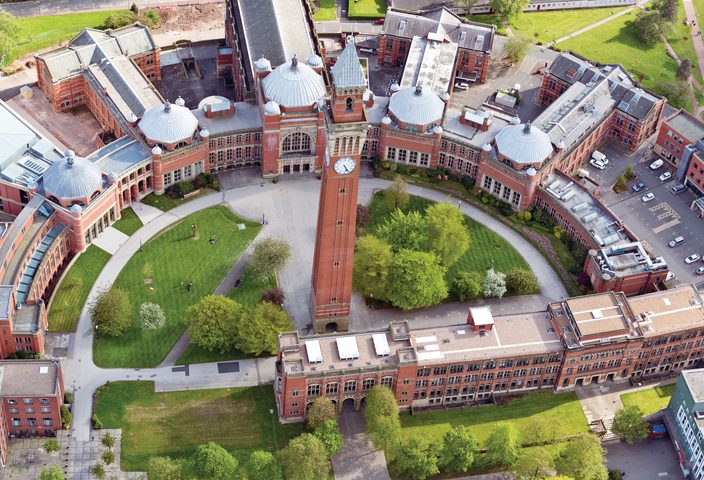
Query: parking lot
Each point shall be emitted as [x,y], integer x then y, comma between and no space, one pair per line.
[648,460]
[659,220]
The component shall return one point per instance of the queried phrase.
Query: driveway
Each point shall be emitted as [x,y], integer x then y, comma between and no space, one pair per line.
[358,459]
[648,460]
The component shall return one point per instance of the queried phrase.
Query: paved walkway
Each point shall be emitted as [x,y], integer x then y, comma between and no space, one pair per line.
[110,240]
[358,459]
[696,39]
[146,213]
[638,4]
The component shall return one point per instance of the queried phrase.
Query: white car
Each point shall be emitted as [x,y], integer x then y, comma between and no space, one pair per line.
[692,258]
[597,164]
[699,271]
[665,177]
[656,164]
[600,157]
[648,197]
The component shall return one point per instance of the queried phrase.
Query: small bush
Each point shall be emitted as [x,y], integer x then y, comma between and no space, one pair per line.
[68,397]
[120,19]
[98,471]
[185,188]
[151,19]
[215,185]
[97,424]
[108,440]
[65,417]
[152,316]
[273,295]
[51,445]
[108,457]
[134,9]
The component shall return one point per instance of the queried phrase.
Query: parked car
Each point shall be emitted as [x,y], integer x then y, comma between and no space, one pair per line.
[597,155]
[648,197]
[461,86]
[657,430]
[378,21]
[665,177]
[678,188]
[638,186]
[692,258]
[699,271]
[597,164]
[656,164]
[676,241]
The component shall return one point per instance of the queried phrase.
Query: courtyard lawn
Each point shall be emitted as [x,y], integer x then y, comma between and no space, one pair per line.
[366,8]
[650,400]
[160,274]
[129,222]
[164,203]
[327,11]
[175,423]
[546,27]
[562,409]
[71,294]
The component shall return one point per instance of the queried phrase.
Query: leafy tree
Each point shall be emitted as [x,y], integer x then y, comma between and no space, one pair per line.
[108,457]
[677,92]
[304,458]
[164,468]
[502,446]
[684,70]
[152,316]
[52,445]
[98,471]
[321,410]
[108,440]
[213,322]
[648,26]
[273,295]
[260,332]
[494,284]
[508,9]
[418,280]
[516,48]
[404,231]
[381,415]
[52,473]
[467,285]
[582,459]
[213,462]
[385,432]
[417,458]
[362,219]
[65,417]
[668,10]
[269,257]
[541,429]
[329,433]
[9,34]
[262,465]
[396,195]
[629,423]
[372,262]
[458,448]
[521,282]
[134,9]
[120,19]
[447,236]
[533,465]
[111,312]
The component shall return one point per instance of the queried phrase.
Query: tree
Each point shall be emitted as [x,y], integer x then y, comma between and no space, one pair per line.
[213,322]
[677,92]
[269,257]
[111,312]
[329,434]
[404,231]
[65,417]
[418,280]
[9,34]
[629,423]
[582,459]
[521,282]
[385,433]
[273,295]
[542,430]
[446,233]
[134,9]
[52,473]
[108,457]
[502,446]
[648,26]
[98,471]
[684,70]
[508,9]
[533,465]
[372,262]
[260,332]
[494,284]
[321,410]
[396,195]
[151,315]
[304,458]
[213,462]
[262,465]
[163,468]
[668,10]
[516,48]
[467,285]
[381,415]
[52,445]
[458,448]
[417,458]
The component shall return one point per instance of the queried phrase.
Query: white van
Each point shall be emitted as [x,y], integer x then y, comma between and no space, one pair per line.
[597,155]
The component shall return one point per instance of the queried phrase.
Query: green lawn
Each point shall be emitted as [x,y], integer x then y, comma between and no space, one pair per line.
[175,423]
[327,11]
[129,222]
[562,409]
[548,26]
[71,294]
[159,274]
[681,41]
[164,203]
[366,8]
[37,33]
[650,400]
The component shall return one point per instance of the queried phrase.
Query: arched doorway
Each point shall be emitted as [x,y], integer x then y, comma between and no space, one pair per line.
[331,327]
[348,405]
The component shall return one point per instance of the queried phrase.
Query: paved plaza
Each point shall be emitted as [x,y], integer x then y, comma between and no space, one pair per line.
[110,240]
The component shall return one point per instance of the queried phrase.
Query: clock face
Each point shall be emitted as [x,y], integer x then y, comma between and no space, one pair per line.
[345,165]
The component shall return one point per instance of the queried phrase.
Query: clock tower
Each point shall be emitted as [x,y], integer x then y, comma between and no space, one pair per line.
[331,290]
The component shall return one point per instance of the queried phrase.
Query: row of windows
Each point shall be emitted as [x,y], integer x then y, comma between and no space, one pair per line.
[235,140]
[501,191]
[185,173]
[239,154]
[332,388]
[28,401]
[32,422]
[100,225]
[402,155]
[30,410]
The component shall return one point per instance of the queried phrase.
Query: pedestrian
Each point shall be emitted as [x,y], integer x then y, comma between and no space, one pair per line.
[190,285]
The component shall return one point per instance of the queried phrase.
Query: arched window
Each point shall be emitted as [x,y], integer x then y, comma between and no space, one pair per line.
[297,142]
[349,102]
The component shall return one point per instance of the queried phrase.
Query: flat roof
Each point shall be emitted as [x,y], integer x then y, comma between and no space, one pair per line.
[687,125]
[28,377]
[668,310]
[694,379]
[247,117]
[120,156]
[430,63]
[599,315]
[455,129]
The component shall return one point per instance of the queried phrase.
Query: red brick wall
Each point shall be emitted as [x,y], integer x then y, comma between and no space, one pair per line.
[695,173]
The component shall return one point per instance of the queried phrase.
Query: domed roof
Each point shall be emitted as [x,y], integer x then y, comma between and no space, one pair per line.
[76,209]
[294,84]
[213,100]
[168,124]
[72,177]
[314,61]
[416,106]
[524,144]
[180,101]
[156,150]
[272,108]
[262,65]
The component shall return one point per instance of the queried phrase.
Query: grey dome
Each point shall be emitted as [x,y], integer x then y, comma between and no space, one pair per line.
[294,84]
[524,144]
[272,108]
[213,100]
[437,130]
[204,133]
[314,61]
[76,209]
[416,106]
[394,87]
[72,177]
[262,65]
[386,120]
[168,124]
[180,101]
[156,150]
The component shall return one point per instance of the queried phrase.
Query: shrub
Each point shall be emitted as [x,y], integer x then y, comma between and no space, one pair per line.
[51,445]
[215,185]
[97,424]
[521,282]
[151,19]
[65,417]
[134,9]
[68,397]
[151,316]
[273,295]
[108,457]
[120,19]
[467,285]
[185,188]
[98,471]
[108,440]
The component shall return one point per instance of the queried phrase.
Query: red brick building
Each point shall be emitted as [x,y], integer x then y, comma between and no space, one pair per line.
[676,132]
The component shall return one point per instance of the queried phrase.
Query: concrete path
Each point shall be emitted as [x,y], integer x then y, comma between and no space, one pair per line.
[638,4]
[110,240]
[358,459]
[146,213]
[696,39]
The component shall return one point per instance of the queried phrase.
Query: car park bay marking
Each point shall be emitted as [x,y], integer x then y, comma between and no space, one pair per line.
[667,225]
[667,211]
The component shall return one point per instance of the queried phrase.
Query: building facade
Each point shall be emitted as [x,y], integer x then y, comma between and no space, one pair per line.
[685,413]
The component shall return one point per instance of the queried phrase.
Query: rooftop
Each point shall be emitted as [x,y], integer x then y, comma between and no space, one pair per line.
[430,63]
[667,311]
[294,84]
[28,377]
[625,259]
[247,117]
[454,128]
[120,156]
[695,383]
[524,144]
[599,315]
[416,106]
[686,124]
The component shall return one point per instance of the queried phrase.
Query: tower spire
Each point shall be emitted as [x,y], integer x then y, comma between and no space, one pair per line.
[347,71]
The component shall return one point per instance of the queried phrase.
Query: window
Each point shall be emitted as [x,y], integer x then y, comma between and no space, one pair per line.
[32,422]
[313,390]
[402,155]
[387,382]
[27,401]
[48,422]
[424,157]
[46,410]
[350,386]
[295,393]
[16,422]
[29,410]
[332,388]
[391,153]
[167,179]
[178,174]
[367,383]
[188,171]
[348,104]
[297,142]
[413,157]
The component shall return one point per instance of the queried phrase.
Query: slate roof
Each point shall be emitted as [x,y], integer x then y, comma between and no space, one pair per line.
[120,156]
[247,117]
[347,71]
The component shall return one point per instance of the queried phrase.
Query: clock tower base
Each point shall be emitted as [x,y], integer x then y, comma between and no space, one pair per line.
[331,317]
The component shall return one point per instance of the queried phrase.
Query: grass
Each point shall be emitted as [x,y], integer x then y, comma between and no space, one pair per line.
[650,400]
[71,294]
[366,8]
[680,39]
[164,203]
[157,274]
[491,19]
[129,222]
[327,11]
[175,423]
[548,26]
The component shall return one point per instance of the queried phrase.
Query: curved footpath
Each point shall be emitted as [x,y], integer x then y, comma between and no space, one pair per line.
[285,205]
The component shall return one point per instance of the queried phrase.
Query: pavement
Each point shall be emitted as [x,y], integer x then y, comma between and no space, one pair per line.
[357,458]
[146,213]
[696,39]
[110,240]
[648,460]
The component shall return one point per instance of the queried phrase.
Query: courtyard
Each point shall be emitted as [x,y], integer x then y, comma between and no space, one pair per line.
[650,400]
